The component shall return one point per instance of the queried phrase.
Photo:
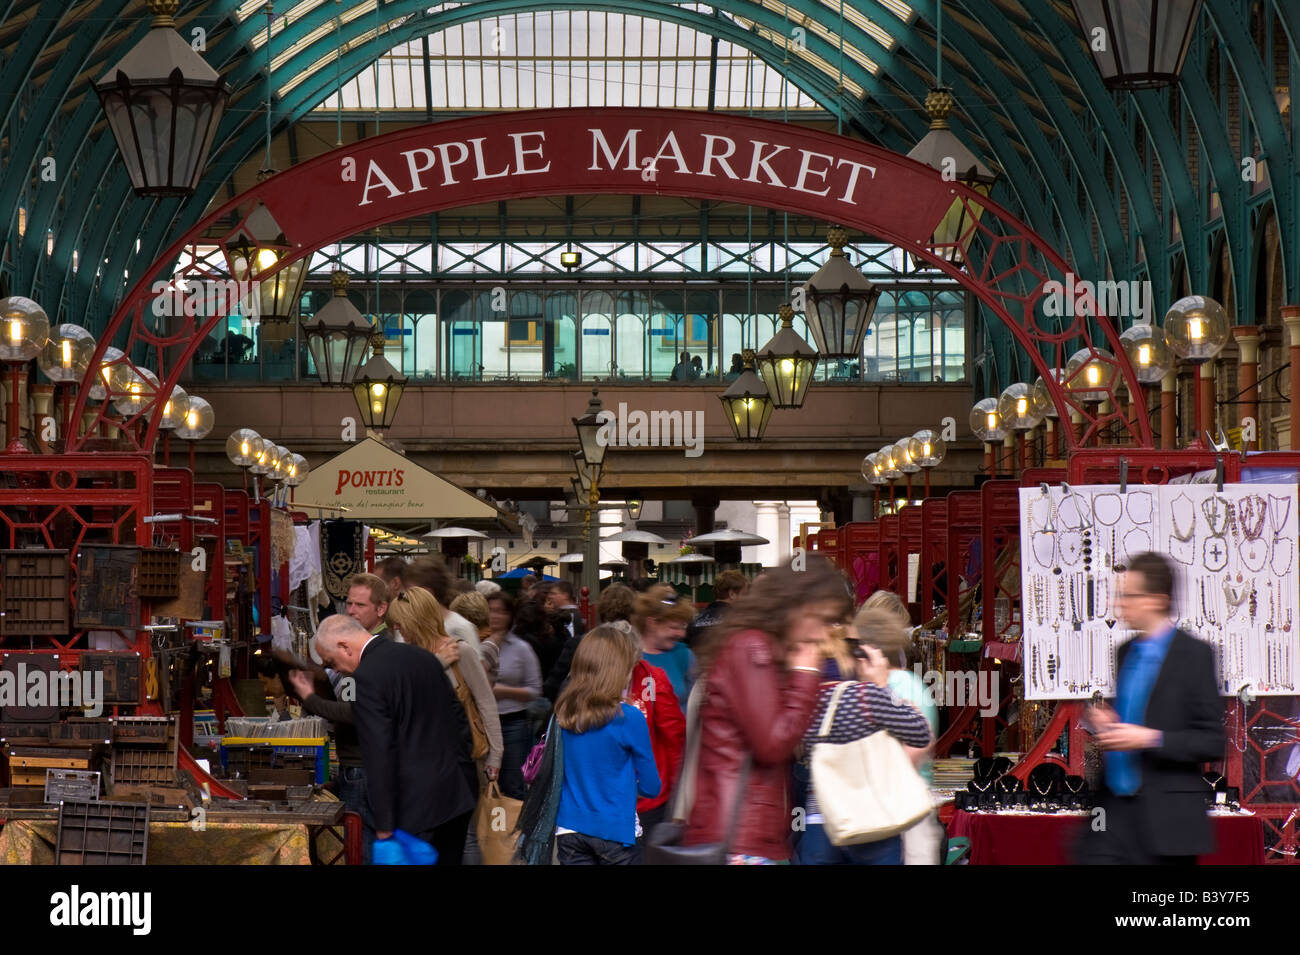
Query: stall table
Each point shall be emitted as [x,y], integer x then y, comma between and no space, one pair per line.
[1002,838]
[226,837]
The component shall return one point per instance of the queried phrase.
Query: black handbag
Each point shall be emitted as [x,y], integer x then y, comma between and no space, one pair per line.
[664,842]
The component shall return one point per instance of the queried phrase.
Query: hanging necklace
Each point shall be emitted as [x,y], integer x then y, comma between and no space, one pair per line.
[1107,509]
[1234,598]
[1173,520]
[1217,513]
[1252,511]
[1139,507]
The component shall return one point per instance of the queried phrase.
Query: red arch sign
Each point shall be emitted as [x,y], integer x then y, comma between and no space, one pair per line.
[533,153]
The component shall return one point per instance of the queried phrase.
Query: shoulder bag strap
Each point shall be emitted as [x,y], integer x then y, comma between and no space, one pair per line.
[739,800]
[834,704]
[684,797]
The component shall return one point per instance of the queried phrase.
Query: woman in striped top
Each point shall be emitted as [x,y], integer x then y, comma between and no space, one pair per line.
[867,706]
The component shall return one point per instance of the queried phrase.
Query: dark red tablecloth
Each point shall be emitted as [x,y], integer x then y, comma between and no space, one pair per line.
[1046,839]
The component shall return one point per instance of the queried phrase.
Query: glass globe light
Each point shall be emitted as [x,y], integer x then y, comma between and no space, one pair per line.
[198,422]
[984,421]
[927,448]
[887,458]
[243,447]
[1147,353]
[298,470]
[283,461]
[1089,373]
[869,469]
[140,386]
[24,329]
[264,460]
[174,409]
[66,356]
[1196,328]
[1043,398]
[111,377]
[903,456]
[1017,408]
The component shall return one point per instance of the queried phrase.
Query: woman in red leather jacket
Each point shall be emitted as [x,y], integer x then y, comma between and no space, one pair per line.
[762,670]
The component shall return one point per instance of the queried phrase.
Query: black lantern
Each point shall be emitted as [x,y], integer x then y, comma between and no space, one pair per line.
[1138,44]
[840,302]
[257,247]
[787,363]
[337,336]
[747,404]
[163,104]
[378,388]
[940,149]
[588,428]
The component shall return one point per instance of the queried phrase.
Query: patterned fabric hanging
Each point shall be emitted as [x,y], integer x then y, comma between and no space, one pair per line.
[341,554]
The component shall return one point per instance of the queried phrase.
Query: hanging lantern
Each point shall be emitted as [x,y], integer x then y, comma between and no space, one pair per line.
[337,335]
[840,301]
[257,247]
[941,150]
[378,388]
[786,364]
[1138,44]
[588,428]
[746,403]
[163,104]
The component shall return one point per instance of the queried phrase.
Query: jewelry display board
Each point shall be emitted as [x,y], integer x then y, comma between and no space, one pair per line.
[1235,555]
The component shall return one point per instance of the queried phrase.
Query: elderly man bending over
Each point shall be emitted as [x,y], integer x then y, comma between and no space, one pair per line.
[419,773]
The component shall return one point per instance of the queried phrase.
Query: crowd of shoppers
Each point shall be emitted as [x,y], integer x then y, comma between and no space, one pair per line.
[755,670]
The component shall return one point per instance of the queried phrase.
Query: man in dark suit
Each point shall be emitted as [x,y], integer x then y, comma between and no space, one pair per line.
[1165,723]
[419,775]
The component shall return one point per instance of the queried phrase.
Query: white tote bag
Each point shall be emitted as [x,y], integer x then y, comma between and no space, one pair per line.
[867,789]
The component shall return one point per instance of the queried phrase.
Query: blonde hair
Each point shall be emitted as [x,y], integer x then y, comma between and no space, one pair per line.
[662,602]
[889,602]
[418,616]
[602,668]
[882,630]
[473,606]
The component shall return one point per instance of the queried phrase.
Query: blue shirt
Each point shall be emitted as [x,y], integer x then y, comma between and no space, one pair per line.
[1136,679]
[679,664]
[605,770]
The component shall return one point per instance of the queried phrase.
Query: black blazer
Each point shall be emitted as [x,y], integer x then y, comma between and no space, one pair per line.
[411,745]
[1185,706]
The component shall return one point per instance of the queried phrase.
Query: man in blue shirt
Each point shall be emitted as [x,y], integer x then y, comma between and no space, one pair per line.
[1165,723]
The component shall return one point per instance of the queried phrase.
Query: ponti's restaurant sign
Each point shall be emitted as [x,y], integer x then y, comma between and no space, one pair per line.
[622,151]
[372,481]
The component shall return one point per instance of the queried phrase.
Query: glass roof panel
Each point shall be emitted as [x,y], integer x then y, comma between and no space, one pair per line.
[571,58]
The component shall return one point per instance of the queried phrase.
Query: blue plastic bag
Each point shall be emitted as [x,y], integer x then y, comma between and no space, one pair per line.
[403,849]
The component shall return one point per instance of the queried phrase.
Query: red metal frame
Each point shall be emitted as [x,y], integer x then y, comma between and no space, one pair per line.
[934,551]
